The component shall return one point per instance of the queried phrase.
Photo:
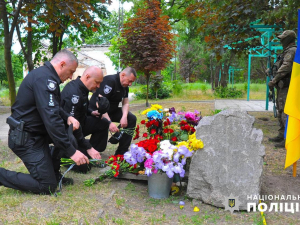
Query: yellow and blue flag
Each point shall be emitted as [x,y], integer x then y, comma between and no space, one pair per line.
[292,109]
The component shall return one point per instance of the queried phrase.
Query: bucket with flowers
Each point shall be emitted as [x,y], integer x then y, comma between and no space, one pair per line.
[168,142]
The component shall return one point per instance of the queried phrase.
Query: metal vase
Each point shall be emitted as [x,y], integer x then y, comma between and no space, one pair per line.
[159,185]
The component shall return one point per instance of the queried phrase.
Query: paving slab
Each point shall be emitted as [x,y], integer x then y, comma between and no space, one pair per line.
[244,105]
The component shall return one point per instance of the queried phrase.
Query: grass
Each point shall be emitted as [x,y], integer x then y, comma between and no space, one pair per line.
[203,91]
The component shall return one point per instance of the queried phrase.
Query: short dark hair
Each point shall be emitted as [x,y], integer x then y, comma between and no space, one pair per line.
[65,54]
[129,70]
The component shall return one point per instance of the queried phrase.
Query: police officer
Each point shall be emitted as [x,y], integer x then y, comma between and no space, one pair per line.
[75,102]
[115,89]
[282,70]
[37,106]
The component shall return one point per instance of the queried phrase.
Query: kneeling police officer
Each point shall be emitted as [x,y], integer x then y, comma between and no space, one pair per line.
[36,121]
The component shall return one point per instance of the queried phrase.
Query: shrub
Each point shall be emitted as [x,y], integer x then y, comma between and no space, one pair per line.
[177,87]
[225,92]
[163,92]
[203,88]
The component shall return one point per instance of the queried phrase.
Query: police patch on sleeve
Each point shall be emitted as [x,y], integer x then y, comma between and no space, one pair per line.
[75,99]
[107,89]
[51,84]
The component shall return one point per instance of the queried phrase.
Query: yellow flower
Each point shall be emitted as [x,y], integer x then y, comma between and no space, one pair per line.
[156,107]
[193,136]
[145,111]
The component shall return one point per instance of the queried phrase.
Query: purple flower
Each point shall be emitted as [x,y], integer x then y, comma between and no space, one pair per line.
[148,163]
[172,110]
[128,157]
[176,157]
[148,172]
[183,150]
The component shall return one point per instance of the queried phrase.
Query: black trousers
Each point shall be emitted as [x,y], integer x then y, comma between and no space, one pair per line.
[98,128]
[35,154]
[125,140]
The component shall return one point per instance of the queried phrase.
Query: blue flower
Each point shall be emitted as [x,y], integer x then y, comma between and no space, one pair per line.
[153,115]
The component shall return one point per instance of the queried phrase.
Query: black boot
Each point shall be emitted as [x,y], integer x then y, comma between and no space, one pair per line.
[65,180]
[276,139]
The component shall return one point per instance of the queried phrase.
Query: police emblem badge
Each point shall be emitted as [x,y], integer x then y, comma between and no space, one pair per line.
[231,203]
[51,85]
[107,89]
[75,99]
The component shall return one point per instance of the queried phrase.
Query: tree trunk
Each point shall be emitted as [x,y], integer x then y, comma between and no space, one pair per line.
[8,35]
[147,79]
[212,77]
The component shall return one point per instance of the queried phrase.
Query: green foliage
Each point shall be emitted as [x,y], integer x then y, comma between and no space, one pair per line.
[163,92]
[114,50]
[177,87]
[225,92]
[203,88]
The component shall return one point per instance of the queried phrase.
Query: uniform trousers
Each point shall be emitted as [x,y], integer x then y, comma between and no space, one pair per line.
[125,140]
[35,154]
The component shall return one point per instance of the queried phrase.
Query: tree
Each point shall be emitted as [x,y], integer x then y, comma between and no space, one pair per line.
[149,42]
[40,19]
[8,36]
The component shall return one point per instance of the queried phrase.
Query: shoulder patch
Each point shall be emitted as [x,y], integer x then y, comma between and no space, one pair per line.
[75,99]
[288,56]
[107,89]
[51,84]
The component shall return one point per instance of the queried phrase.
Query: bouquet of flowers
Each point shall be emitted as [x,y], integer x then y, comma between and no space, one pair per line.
[117,165]
[169,141]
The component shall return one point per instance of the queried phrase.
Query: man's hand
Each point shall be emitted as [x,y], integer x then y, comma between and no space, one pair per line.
[79,158]
[75,122]
[271,83]
[95,113]
[94,153]
[124,122]
[113,128]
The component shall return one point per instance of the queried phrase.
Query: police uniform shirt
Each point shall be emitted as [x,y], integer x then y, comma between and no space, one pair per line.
[37,104]
[112,89]
[74,100]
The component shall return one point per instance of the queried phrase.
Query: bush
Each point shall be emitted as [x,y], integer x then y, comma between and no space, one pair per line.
[225,92]
[177,87]
[203,88]
[163,92]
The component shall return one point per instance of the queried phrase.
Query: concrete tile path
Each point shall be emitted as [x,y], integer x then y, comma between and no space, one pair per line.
[243,105]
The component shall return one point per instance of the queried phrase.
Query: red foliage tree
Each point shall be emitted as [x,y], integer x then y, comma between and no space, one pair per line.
[149,44]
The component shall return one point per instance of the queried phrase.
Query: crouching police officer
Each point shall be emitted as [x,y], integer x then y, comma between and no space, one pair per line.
[282,70]
[75,102]
[35,121]
[115,89]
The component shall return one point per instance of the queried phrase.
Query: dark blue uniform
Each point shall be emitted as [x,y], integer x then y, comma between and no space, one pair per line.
[74,101]
[112,89]
[37,104]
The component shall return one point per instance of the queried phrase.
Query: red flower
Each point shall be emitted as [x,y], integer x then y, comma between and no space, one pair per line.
[152,148]
[174,138]
[166,131]
[143,122]
[193,130]
[145,135]
[171,131]
[116,174]
[153,131]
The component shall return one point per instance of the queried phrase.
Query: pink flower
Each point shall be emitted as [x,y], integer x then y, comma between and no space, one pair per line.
[190,116]
[148,163]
